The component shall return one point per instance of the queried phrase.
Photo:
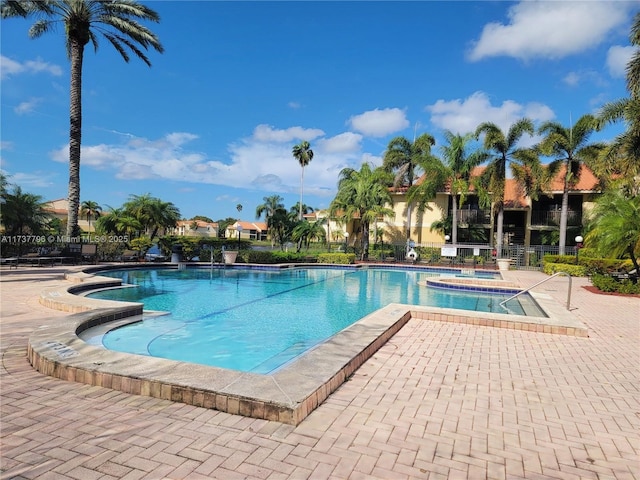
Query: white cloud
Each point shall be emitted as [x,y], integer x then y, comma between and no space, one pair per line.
[379,123]
[262,161]
[294,105]
[36,179]
[617,59]
[463,116]
[9,67]
[266,133]
[342,143]
[549,29]
[28,106]
[572,79]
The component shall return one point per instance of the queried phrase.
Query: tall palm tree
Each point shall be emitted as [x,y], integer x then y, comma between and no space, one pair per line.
[83,21]
[90,210]
[620,161]
[402,157]
[459,165]
[362,195]
[504,148]
[303,153]
[571,150]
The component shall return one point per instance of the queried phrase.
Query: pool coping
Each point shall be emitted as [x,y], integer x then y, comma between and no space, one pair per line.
[287,395]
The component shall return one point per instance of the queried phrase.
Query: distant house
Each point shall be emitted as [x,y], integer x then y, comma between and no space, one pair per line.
[195,228]
[247,231]
[59,209]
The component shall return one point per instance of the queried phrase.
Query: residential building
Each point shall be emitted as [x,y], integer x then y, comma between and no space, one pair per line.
[526,221]
[196,228]
[247,231]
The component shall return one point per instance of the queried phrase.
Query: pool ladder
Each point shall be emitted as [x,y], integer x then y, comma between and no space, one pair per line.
[540,283]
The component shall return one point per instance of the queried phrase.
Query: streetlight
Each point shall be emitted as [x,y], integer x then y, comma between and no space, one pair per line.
[579,241]
[446,238]
[239,228]
[346,241]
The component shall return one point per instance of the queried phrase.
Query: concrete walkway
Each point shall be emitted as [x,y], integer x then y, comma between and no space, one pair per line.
[439,400]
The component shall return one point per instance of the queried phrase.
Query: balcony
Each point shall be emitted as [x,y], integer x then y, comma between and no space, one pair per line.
[552,218]
[474,217]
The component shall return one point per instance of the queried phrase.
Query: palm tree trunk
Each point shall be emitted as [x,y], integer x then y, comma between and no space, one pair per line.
[75,135]
[365,240]
[301,187]
[500,230]
[454,219]
[563,214]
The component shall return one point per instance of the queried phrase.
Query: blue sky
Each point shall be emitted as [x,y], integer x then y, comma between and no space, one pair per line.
[212,123]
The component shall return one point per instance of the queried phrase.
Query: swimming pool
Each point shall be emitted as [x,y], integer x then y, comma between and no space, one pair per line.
[257,320]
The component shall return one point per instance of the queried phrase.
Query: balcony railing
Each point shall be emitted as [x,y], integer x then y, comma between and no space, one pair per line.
[552,218]
[474,217]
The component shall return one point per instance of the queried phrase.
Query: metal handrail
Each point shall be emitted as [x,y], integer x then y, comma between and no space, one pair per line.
[540,283]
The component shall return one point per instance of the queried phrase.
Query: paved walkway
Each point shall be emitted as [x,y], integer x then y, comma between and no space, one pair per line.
[439,401]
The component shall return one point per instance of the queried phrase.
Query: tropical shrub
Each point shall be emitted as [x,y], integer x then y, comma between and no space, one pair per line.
[573,270]
[337,258]
[604,283]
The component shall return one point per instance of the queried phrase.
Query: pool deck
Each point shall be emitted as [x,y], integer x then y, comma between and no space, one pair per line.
[438,400]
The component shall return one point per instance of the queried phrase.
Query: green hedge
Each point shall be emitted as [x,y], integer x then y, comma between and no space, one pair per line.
[338,258]
[573,270]
[605,283]
[272,257]
[591,265]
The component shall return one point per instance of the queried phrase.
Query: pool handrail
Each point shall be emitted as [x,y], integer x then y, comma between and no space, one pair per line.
[540,283]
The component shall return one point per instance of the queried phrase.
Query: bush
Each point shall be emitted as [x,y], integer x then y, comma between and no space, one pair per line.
[605,283]
[338,258]
[628,287]
[573,270]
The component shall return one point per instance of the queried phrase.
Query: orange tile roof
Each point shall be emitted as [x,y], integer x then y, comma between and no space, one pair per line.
[514,196]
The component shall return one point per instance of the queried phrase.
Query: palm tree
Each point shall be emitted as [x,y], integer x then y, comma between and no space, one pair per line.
[615,227]
[23,213]
[90,209]
[571,150]
[268,208]
[504,147]
[118,221]
[281,224]
[402,158]
[152,213]
[303,153]
[620,161]
[83,21]
[306,231]
[458,166]
[295,210]
[362,195]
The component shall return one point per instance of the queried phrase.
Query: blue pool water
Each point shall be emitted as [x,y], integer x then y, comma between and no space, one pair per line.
[257,320]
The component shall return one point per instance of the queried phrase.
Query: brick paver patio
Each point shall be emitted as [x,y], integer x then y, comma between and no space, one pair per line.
[438,401]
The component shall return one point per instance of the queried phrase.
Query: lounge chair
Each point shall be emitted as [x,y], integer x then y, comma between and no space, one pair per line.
[129,256]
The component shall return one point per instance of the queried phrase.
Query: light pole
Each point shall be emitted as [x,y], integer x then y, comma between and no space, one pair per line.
[346,241]
[579,241]
[239,228]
